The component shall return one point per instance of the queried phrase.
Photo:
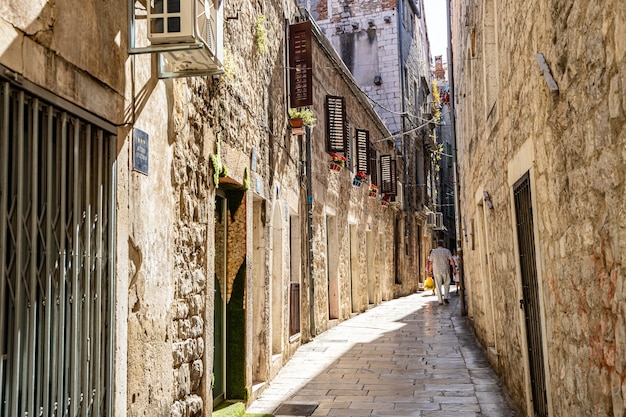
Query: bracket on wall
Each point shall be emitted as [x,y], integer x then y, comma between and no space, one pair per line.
[547,74]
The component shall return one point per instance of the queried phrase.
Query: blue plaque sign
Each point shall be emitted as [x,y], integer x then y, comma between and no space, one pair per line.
[140,151]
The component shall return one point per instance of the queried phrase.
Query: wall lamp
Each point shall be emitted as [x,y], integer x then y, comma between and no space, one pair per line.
[487,199]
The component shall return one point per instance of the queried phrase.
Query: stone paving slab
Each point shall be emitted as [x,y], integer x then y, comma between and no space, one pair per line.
[407,357]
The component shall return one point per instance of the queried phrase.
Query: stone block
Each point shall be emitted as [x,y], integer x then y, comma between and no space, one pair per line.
[194,406]
[178,409]
[196,326]
[196,373]
[183,380]
[196,305]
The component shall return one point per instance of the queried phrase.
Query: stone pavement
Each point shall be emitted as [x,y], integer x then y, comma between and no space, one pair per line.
[406,357]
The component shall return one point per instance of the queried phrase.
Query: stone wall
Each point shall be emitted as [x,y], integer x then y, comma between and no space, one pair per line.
[571,142]
[334,195]
[165,220]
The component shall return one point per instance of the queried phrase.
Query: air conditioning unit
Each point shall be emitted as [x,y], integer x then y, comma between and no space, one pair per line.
[187,22]
[430,219]
[438,221]
[177,21]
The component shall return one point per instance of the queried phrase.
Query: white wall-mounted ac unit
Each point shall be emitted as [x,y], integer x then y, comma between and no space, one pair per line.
[438,221]
[182,22]
[430,219]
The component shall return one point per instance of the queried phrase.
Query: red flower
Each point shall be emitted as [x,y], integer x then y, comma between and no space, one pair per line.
[339,159]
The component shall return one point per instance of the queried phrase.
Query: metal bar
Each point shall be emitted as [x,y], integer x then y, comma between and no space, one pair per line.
[16,376]
[76,299]
[98,285]
[60,395]
[86,316]
[111,271]
[166,48]
[32,305]
[48,299]
[4,176]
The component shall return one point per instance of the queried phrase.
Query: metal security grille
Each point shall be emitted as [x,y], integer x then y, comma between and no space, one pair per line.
[56,266]
[530,303]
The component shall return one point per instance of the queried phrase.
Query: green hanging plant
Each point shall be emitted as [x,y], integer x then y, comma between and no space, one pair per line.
[305,114]
[246,179]
[219,169]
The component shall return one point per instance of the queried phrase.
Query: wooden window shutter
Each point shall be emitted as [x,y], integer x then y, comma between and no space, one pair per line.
[388,175]
[362,150]
[373,166]
[349,147]
[335,124]
[300,65]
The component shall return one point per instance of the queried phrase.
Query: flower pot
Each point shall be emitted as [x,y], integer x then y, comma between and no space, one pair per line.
[297,126]
[334,166]
[373,194]
[384,203]
[356,182]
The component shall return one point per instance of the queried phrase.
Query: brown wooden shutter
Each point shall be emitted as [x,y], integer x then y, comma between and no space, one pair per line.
[373,166]
[349,147]
[362,150]
[335,124]
[388,175]
[300,65]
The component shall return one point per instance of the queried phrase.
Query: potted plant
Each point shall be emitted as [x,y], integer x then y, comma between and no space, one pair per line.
[373,191]
[358,179]
[338,162]
[385,201]
[299,118]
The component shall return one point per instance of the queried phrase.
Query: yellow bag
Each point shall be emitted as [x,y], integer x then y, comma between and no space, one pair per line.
[429,284]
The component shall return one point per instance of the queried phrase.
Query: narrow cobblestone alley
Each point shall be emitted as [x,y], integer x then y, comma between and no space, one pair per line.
[406,357]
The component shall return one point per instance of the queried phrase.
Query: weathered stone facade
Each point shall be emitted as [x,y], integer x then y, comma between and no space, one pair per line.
[384,46]
[568,137]
[213,242]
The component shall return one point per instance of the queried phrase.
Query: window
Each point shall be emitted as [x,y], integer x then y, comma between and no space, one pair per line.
[362,150]
[300,62]
[349,147]
[388,175]
[336,136]
[373,166]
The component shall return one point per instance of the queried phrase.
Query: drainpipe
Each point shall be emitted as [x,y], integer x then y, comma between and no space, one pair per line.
[457,207]
[403,127]
[309,221]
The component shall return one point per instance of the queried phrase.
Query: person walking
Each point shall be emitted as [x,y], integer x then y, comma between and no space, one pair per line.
[439,262]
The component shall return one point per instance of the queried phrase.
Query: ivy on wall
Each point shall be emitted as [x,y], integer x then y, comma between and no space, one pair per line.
[219,169]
